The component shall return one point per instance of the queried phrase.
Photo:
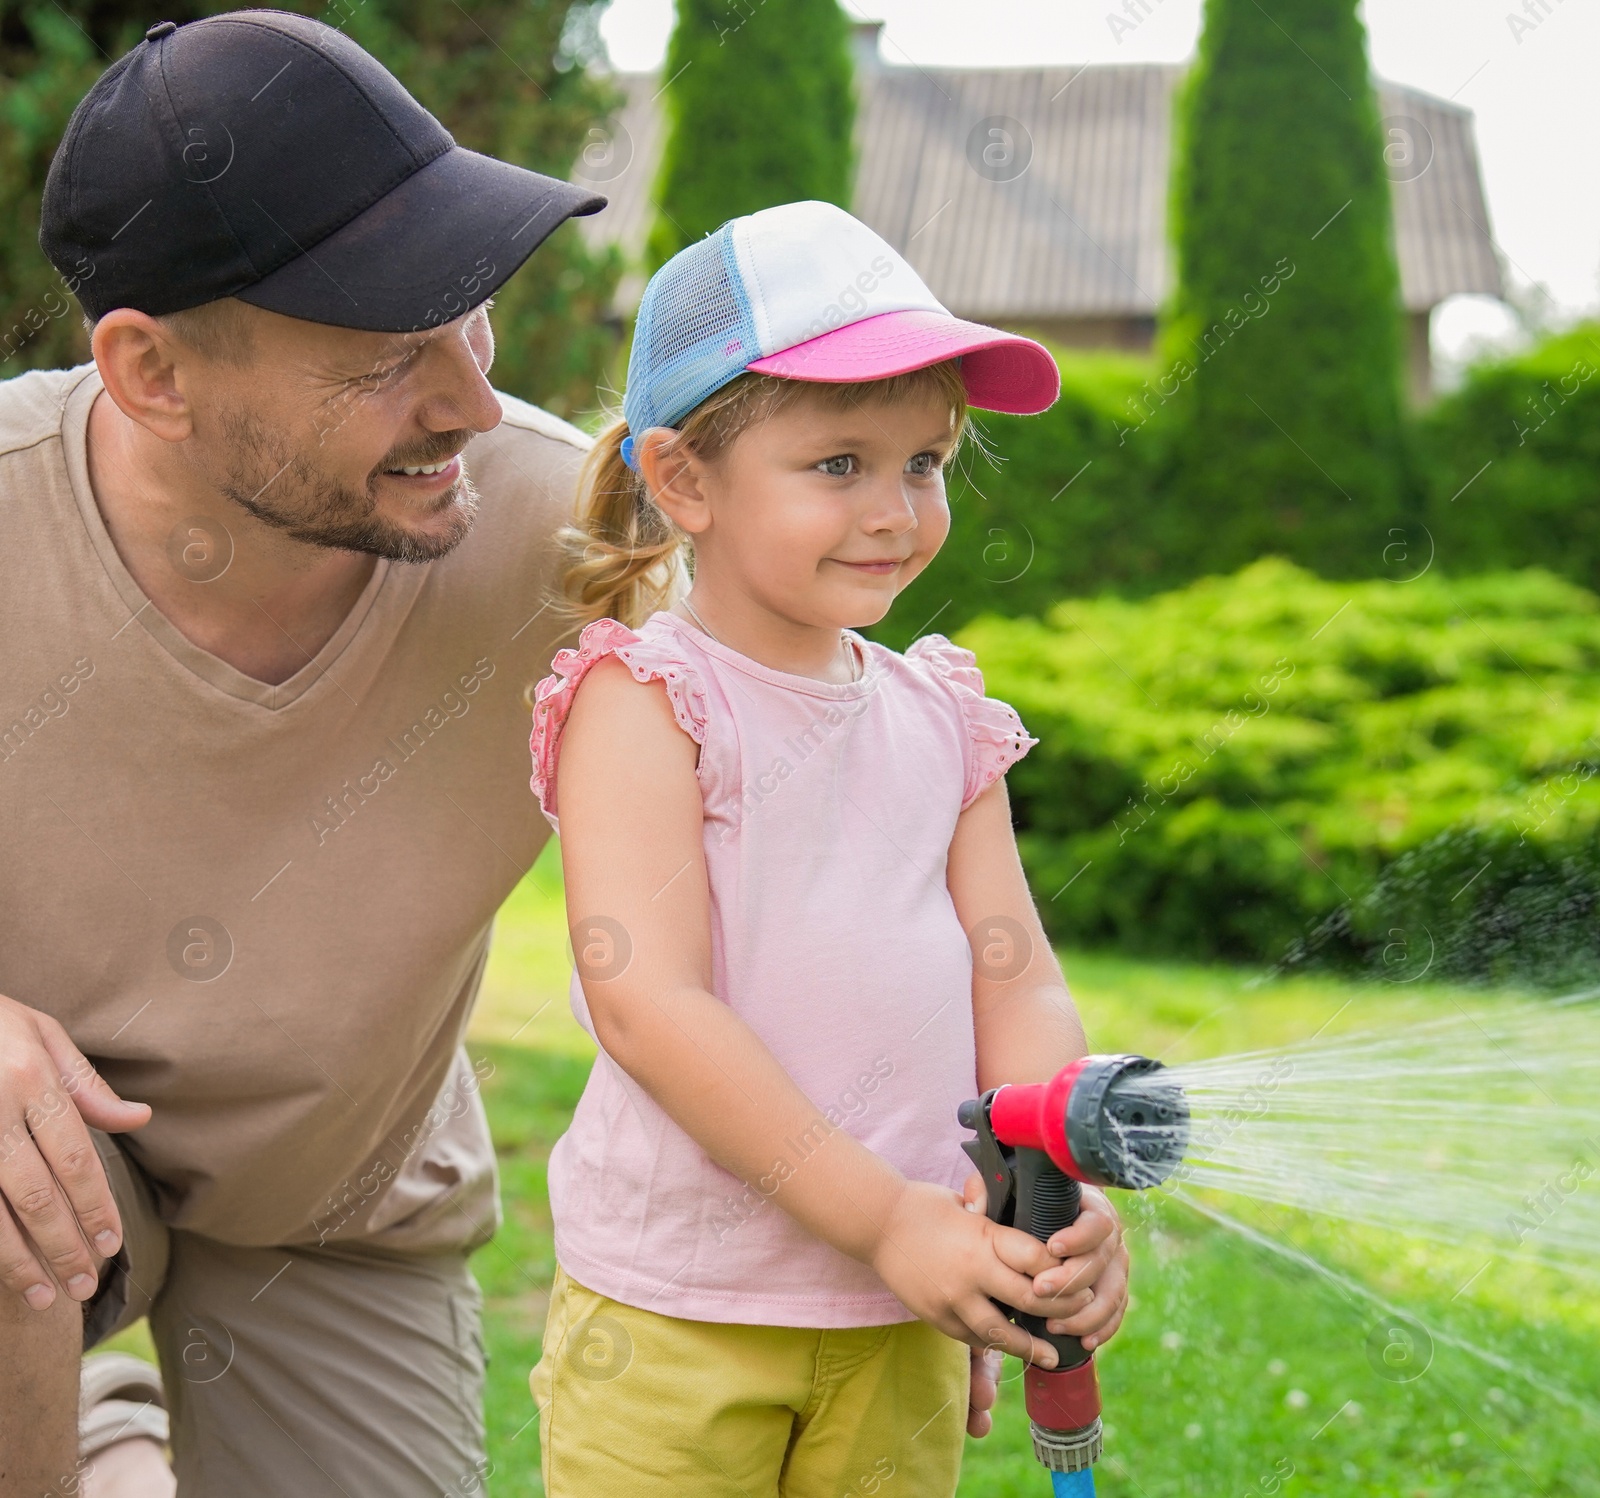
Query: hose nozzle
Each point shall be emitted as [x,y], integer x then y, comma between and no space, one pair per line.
[1104,1120]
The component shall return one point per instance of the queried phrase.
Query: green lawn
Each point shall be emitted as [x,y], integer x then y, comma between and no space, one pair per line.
[1239,1371]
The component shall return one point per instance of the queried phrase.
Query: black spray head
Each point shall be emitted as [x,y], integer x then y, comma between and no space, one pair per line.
[1126,1124]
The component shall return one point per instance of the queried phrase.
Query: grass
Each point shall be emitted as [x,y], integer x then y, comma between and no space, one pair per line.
[1239,1371]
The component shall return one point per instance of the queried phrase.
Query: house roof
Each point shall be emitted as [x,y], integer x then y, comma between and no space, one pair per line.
[1081,231]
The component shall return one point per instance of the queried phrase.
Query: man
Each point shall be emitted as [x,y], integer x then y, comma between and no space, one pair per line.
[275,574]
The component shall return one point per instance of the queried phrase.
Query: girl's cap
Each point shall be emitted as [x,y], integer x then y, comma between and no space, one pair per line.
[806,292]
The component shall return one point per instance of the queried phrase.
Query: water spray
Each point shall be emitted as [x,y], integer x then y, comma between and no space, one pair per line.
[1483,1125]
[1479,1130]
[1100,1121]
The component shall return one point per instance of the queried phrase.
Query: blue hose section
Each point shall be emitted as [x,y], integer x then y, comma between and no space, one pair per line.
[1073,1484]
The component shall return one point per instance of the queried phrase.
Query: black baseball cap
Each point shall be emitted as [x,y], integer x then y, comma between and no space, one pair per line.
[265,156]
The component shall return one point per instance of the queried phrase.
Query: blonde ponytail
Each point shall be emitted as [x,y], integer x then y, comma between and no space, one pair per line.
[623,559]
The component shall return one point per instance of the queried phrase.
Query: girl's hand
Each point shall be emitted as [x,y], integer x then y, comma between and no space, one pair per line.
[984,1388]
[1092,1274]
[948,1265]
[983,1391]
[1096,1239]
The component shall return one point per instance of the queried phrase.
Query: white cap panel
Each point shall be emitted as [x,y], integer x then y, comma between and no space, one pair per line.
[811,267]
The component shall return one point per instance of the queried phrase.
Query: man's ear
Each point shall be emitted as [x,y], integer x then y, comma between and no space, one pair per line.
[673,475]
[143,367]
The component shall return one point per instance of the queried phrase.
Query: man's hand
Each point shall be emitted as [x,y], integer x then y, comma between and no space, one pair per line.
[54,1197]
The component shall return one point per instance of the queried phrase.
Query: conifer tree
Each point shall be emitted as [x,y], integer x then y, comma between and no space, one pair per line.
[760,106]
[1286,333]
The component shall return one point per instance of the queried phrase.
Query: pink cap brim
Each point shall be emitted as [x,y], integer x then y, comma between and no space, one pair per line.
[1002,371]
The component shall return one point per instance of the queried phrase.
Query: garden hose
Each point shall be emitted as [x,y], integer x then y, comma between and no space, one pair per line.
[1100,1121]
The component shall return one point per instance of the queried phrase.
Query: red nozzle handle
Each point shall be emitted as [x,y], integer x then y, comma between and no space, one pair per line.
[1034,1116]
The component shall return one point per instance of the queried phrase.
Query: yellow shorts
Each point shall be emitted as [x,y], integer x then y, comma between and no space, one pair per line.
[631,1403]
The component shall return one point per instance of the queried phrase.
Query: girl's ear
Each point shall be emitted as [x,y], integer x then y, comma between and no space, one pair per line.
[673,475]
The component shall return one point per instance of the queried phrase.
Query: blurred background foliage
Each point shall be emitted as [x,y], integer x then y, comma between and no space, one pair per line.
[1276,767]
[760,110]
[1512,461]
[1290,439]
[1506,470]
[1105,558]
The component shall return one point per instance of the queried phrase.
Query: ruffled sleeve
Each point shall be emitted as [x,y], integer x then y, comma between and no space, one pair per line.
[650,657]
[996,738]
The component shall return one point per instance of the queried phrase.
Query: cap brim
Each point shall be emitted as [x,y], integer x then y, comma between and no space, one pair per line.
[1002,371]
[440,243]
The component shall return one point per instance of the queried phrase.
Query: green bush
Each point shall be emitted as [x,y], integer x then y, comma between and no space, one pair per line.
[1513,462]
[760,105]
[505,76]
[1270,766]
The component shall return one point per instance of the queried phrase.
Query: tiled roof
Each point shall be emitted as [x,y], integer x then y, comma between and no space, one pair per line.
[1064,217]
[1441,222]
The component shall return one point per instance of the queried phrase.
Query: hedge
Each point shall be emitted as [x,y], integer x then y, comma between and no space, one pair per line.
[1080,500]
[1270,766]
[1513,462]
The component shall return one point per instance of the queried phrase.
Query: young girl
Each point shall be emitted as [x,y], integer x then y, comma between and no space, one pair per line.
[801,930]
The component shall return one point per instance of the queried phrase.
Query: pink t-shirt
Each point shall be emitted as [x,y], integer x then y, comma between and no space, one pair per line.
[829,812]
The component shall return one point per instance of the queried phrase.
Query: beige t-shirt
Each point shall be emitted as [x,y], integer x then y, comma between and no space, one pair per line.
[265,910]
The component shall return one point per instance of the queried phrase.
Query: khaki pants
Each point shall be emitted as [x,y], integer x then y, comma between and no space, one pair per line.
[301,1372]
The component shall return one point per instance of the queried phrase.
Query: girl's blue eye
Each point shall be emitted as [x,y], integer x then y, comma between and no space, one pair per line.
[922,465]
[840,467]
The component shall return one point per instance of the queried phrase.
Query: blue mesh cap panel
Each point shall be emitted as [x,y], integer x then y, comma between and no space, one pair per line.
[694,333]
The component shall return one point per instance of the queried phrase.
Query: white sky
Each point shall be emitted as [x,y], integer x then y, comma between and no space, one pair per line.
[1532,92]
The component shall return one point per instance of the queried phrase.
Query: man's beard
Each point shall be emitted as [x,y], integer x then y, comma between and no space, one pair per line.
[279,486]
